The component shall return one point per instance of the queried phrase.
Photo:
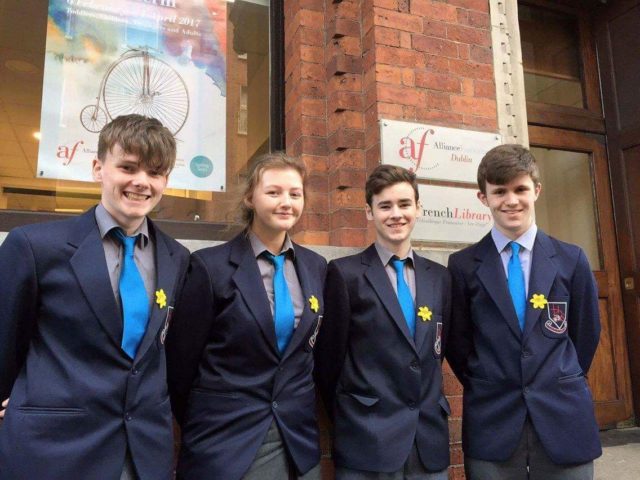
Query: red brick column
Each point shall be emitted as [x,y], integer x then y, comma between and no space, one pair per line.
[305,110]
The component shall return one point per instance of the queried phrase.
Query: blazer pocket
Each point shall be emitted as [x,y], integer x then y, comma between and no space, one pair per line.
[363,399]
[572,383]
[214,393]
[28,410]
[554,320]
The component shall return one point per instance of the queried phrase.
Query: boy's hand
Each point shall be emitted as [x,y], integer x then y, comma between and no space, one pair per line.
[4,406]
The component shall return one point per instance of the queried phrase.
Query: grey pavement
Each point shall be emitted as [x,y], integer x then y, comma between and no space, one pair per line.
[620,458]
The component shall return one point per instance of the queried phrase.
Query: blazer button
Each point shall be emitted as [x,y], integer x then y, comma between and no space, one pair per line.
[414,366]
[127,417]
[526,353]
[412,406]
[134,372]
[526,390]
[274,405]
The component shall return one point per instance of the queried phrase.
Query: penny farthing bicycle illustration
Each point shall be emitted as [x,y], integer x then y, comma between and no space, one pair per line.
[138,82]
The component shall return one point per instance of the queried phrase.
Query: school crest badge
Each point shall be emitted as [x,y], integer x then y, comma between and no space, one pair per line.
[556,317]
[312,338]
[437,345]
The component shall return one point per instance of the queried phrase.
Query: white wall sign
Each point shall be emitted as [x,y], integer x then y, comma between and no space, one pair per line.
[451,214]
[434,152]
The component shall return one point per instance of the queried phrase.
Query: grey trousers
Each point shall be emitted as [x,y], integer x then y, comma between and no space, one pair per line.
[411,470]
[128,470]
[528,462]
[271,462]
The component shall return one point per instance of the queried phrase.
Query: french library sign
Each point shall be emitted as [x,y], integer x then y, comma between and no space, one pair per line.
[434,152]
[451,214]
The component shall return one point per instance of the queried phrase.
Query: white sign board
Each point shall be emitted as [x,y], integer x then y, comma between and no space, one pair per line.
[450,214]
[433,152]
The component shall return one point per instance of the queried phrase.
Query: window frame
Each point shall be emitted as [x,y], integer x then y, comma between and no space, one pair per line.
[10,219]
[589,118]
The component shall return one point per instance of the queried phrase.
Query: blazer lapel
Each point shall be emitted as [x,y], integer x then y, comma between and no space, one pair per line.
[166,276]
[491,274]
[90,268]
[424,298]
[249,282]
[379,280]
[541,278]
[310,285]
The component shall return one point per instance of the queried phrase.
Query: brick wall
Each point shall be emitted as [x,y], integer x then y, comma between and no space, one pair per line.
[350,63]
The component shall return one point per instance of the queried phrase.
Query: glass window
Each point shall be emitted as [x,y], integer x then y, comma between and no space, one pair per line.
[551,56]
[566,206]
[47,49]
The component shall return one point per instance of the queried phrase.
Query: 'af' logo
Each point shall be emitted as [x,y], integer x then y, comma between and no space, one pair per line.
[67,153]
[413,146]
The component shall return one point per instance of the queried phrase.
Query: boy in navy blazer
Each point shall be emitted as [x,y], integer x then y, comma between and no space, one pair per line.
[378,357]
[83,325]
[524,331]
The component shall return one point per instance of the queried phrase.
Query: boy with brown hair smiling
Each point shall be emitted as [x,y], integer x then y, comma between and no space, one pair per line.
[86,306]
[524,330]
[378,358]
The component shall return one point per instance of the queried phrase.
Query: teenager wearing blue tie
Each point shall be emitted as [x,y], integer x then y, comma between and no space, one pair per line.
[378,359]
[85,309]
[240,350]
[524,331]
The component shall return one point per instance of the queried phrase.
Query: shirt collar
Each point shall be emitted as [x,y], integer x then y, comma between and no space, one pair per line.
[259,248]
[106,223]
[386,255]
[526,240]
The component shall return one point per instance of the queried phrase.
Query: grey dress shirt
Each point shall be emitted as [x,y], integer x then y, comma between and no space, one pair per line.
[267,269]
[143,253]
[409,270]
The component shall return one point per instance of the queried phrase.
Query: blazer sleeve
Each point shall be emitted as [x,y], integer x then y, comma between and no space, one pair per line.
[446,309]
[584,315]
[18,308]
[460,342]
[188,334]
[331,347]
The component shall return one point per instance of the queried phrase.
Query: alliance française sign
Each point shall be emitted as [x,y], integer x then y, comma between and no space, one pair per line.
[433,152]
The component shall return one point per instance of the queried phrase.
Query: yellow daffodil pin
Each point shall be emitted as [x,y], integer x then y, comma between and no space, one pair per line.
[314,304]
[538,300]
[424,313]
[161,298]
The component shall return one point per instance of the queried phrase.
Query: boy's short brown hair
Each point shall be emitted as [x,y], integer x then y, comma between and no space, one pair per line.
[505,162]
[387,175]
[145,137]
[268,161]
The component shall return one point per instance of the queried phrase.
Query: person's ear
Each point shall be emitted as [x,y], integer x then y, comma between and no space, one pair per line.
[368,211]
[483,198]
[96,170]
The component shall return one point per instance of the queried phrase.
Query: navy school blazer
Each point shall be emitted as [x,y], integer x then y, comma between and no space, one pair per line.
[77,399]
[382,388]
[228,382]
[540,373]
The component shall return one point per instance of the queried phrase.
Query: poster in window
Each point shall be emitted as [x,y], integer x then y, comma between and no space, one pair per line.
[164,59]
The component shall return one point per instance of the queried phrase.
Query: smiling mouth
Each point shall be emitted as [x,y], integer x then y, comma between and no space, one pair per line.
[136,196]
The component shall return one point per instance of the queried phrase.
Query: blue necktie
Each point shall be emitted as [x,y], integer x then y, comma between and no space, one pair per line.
[516,284]
[404,296]
[283,313]
[133,296]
